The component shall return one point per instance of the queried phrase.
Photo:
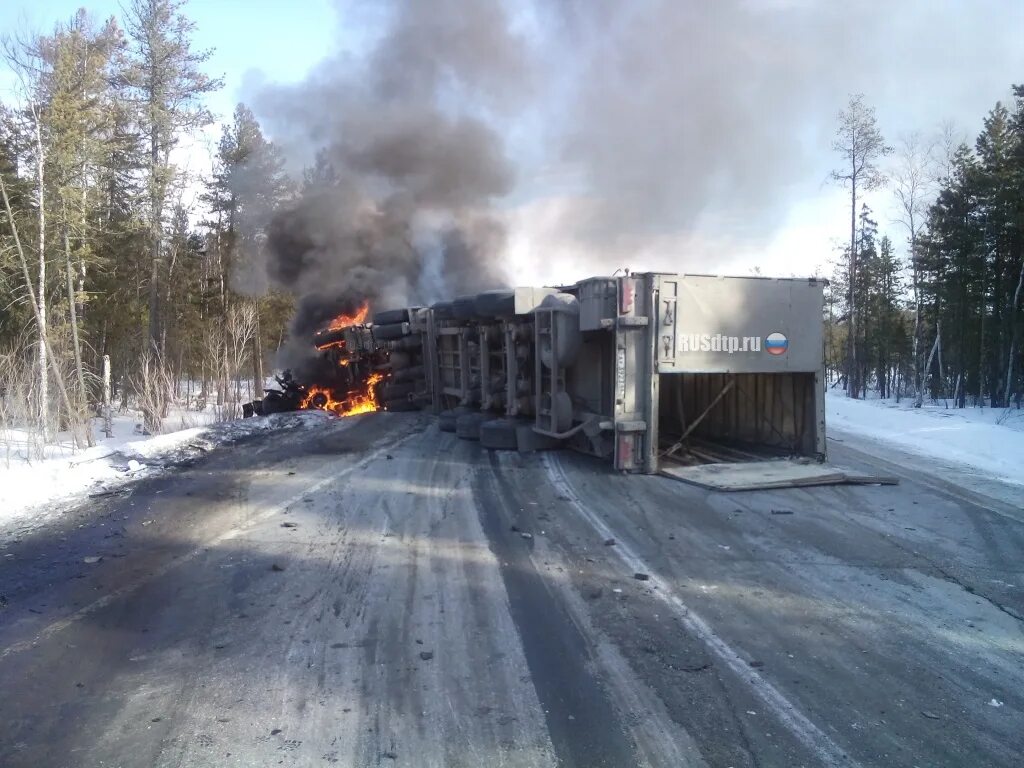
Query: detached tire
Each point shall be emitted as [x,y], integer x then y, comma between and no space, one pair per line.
[468,425]
[499,434]
[391,316]
[389,332]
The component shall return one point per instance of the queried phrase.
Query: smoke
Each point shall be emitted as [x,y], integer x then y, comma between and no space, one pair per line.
[655,134]
[398,204]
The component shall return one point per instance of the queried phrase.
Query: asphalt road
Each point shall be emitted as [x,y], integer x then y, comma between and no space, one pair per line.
[372,592]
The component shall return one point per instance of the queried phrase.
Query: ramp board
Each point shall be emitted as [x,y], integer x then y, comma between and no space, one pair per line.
[764,475]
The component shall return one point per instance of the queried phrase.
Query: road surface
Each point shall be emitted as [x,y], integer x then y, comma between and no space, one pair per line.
[373,592]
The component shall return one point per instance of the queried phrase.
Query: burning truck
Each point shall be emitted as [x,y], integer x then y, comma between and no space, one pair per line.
[354,367]
[654,372]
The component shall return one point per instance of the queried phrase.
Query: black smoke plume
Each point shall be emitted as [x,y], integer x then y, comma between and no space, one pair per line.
[397,207]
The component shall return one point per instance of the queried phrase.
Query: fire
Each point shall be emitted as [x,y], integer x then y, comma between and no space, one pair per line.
[344,321]
[360,402]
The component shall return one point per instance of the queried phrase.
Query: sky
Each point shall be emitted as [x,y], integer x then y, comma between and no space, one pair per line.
[656,134]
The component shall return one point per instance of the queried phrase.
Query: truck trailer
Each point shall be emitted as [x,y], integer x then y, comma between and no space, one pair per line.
[647,370]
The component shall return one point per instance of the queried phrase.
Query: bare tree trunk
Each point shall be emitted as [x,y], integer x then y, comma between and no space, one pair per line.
[156,216]
[257,354]
[916,343]
[108,427]
[73,309]
[852,375]
[47,353]
[44,385]
[1015,338]
[931,354]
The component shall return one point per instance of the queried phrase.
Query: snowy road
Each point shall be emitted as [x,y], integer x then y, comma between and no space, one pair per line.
[374,592]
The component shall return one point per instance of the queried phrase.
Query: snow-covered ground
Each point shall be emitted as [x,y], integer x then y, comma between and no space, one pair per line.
[33,490]
[984,440]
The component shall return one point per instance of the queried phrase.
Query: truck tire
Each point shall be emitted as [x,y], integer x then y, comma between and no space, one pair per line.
[446,421]
[391,316]
[443,310]
[412,343]
[500,303]
[499,434]
[464,308]
[389,332]
[528,440]
[396,389]
[467,426]
[399,360]
[408,374]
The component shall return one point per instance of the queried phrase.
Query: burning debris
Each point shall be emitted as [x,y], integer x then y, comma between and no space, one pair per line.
[351,367]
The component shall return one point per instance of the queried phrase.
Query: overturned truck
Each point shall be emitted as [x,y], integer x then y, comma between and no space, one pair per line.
[649,371]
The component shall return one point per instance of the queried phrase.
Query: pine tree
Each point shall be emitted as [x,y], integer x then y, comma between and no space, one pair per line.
[860,145]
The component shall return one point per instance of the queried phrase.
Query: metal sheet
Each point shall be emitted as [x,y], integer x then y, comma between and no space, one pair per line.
[762,475]
[739,324]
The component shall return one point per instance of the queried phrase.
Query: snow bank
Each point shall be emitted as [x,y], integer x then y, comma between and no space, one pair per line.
[34,490]
[989,441]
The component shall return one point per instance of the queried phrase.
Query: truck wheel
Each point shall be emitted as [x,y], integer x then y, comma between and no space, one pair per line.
[443,310]
[399,360]
[500,303]
[410,343]
[499,434]
[464,308]
[446,421]
[408,374]
[388,332]
[528,440]
[396,389]
[468,425]
[391,316]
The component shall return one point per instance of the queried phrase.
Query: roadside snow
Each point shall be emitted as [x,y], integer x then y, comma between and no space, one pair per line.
[988,441]
[33,491]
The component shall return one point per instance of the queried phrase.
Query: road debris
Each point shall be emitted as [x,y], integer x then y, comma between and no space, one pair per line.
[930,715]
[426,655]
[782,511]
[610,542]
[92,559]
[641,576]
[995,703]
[276,567]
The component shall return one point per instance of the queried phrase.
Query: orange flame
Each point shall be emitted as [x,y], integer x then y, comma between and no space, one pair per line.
[344,321]
[362,402]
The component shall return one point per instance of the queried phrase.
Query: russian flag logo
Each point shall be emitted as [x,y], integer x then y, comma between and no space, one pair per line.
[776,343]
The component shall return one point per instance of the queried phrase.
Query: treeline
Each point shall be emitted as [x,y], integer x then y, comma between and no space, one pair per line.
[947,321]
[104,248]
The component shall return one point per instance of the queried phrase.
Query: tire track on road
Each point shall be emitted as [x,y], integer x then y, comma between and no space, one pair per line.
[818,743]
[60,625]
